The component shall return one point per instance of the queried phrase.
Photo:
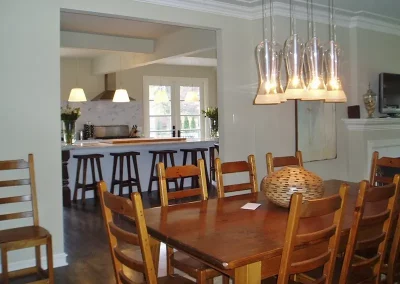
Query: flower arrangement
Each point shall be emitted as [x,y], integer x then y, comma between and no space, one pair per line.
[212,114]
[69,113]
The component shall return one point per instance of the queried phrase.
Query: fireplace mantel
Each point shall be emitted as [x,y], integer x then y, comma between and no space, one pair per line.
[368,124]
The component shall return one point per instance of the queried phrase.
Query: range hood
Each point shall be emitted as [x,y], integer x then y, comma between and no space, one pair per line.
[110,85]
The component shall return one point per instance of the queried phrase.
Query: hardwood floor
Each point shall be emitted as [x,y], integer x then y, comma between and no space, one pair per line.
[85,243]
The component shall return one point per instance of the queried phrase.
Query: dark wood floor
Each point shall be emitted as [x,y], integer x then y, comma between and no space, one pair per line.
[86,244]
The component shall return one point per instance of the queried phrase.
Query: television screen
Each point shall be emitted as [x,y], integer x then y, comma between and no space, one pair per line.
[389,93]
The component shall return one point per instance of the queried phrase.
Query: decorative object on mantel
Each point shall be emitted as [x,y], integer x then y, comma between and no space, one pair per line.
[77,94]
[212,114]
[370,102]
[280,185]
[69,116]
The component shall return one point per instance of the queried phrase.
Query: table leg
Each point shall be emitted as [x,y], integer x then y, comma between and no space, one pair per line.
[248,274]
[155,252]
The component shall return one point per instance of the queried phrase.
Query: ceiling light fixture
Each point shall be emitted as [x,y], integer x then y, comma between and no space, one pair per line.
[121,95]
[77,94]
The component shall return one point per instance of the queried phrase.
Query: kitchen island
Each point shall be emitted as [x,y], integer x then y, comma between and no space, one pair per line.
[106,147]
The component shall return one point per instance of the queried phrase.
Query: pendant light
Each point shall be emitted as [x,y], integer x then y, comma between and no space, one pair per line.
[332,63]
[120,95]
[161,95]
[192,96]
[294,56]
[267,90]
[77,94]
[316,88]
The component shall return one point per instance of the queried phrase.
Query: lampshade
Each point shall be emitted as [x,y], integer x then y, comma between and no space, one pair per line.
[336,94]
[316,89]
[161,96]
[121,96]
[334,84]
[294,56]
[77,95]
[191,96]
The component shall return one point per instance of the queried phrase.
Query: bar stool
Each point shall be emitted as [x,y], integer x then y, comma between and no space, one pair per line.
[162,157]
[212,160]
[193,159]
[84,185]
[130,181]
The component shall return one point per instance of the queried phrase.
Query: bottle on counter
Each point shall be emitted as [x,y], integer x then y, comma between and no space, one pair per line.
[173,131]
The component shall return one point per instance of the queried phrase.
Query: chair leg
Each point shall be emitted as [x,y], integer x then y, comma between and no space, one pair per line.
[153,165]
[4,266]
[121,175]
[170,268]
[113,175]
[183,163]
[78,170]
[135,167]
[201,278]
[225,279]
[128,165]
[93,178]
[50,265]
[84,182]
[171,157]
[38,257]
[99,169]
[203,156]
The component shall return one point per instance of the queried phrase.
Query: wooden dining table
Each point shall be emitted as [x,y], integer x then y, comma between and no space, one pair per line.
[244,244]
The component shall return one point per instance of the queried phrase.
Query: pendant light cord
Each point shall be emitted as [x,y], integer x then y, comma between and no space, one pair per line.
[271,9]
[77,72]
[309,30]
[312,18]
[263,20]
[292,23]
[333,22]
[120,71]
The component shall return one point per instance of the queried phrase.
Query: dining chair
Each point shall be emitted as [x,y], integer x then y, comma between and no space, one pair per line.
[368,239]
[378,175]
[277,162]
[236,167]
[324,243]
[392,268]
[176,259]
[27,236]
[129,262]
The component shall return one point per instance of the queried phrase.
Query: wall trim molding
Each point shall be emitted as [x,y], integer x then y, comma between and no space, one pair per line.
[59,260]
[344,18]
[372,124]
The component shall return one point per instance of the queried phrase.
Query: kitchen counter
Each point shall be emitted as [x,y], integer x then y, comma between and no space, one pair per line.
[105,147]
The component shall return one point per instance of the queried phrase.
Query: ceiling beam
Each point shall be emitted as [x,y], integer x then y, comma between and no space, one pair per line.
[181,43]
[104,42]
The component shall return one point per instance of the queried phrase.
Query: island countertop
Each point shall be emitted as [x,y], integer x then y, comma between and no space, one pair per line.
[98,143]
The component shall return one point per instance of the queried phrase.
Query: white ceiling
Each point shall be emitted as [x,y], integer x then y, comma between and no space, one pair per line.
[67,52]
[388,8]
[114,26]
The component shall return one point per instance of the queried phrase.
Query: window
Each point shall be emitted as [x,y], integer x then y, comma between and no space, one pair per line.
[174,104]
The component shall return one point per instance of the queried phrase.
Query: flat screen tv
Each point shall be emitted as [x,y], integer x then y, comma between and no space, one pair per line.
[389,94]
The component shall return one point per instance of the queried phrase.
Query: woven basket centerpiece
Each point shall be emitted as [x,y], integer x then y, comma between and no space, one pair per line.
[280,185]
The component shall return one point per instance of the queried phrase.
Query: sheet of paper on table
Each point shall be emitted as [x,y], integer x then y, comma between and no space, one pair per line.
[250,206]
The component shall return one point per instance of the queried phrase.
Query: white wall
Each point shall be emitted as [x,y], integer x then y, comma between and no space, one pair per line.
[30,112]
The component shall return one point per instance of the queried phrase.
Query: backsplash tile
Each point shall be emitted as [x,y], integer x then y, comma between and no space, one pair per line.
[108,113]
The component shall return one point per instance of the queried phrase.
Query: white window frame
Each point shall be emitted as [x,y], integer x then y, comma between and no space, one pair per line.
[175,83]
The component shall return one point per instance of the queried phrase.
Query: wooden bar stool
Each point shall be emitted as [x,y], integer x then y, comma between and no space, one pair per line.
[84,185]
[193,160]
[130,181]
[162,156]
[212,150]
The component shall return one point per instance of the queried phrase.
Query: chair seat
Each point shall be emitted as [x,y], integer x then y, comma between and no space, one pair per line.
[174,279]
[190,265]
[23,233]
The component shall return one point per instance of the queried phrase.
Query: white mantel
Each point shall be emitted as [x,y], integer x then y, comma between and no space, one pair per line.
[364,136]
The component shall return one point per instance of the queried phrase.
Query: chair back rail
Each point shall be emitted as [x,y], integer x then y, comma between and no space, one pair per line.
[179,172]
[376,177]
[31,197]
[133,209]
[236,167]
[394,256]
[296,265]
[277,162]
[361,238]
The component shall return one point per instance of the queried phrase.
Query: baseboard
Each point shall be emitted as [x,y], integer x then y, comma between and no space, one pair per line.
[58,261]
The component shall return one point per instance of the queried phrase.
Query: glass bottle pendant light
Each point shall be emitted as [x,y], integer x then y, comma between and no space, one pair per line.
[294,57]
[316,88]
[332,62]
[267,61]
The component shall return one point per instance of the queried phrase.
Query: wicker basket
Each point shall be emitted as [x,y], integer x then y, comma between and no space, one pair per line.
[280,185]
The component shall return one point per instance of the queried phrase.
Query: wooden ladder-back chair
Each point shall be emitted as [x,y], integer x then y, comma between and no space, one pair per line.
[179,260]
[369,233]
[128,261]
[377,176]
[295,263]
[277,162]
[236,167]
[392,268]
[27,236]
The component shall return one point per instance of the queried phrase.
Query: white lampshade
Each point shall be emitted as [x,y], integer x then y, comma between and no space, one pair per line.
[161,96]
[335,92]
[191,96]
[77,95]
[121,96]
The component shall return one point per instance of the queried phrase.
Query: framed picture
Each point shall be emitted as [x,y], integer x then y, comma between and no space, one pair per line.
[316,130]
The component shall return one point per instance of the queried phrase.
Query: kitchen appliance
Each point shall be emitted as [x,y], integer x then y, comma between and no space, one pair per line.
[110,86]
[111,131]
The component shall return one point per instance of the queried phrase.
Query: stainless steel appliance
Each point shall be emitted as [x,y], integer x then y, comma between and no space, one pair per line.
[111,131]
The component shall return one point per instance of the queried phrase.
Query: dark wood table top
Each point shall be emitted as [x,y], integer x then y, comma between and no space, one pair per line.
[221,234]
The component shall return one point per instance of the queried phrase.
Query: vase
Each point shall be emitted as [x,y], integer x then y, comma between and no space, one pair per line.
[214,128]
[370,102]
[69,131]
